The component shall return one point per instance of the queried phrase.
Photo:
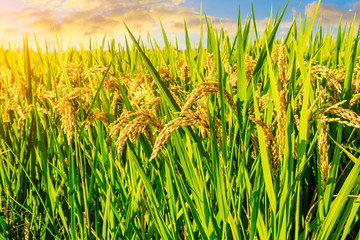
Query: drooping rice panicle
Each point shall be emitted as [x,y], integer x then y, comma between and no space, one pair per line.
[187,118]
[271,146]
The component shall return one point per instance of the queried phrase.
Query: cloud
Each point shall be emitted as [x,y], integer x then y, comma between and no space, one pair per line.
[81,19]
[331,14]
[78,20]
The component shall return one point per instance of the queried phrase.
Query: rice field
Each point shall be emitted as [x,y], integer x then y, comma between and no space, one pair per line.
[252,137]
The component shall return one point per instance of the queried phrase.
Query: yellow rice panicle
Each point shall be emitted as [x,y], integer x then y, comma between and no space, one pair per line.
[204,89]
[323,153]
[347,114]
[282,91]
[271,145]
[143,119]
[185,74]
[94,116]
[187,118]
[68,119]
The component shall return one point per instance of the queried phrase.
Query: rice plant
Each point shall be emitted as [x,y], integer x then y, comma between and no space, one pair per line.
[252,137]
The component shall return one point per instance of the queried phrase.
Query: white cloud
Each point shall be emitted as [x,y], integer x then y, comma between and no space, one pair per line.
[81,19]
[331,14]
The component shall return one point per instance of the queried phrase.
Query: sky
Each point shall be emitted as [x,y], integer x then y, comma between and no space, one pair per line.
[75,21]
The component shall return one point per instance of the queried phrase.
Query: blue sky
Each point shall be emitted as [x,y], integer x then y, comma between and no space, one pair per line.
[229,8]
[77,20]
